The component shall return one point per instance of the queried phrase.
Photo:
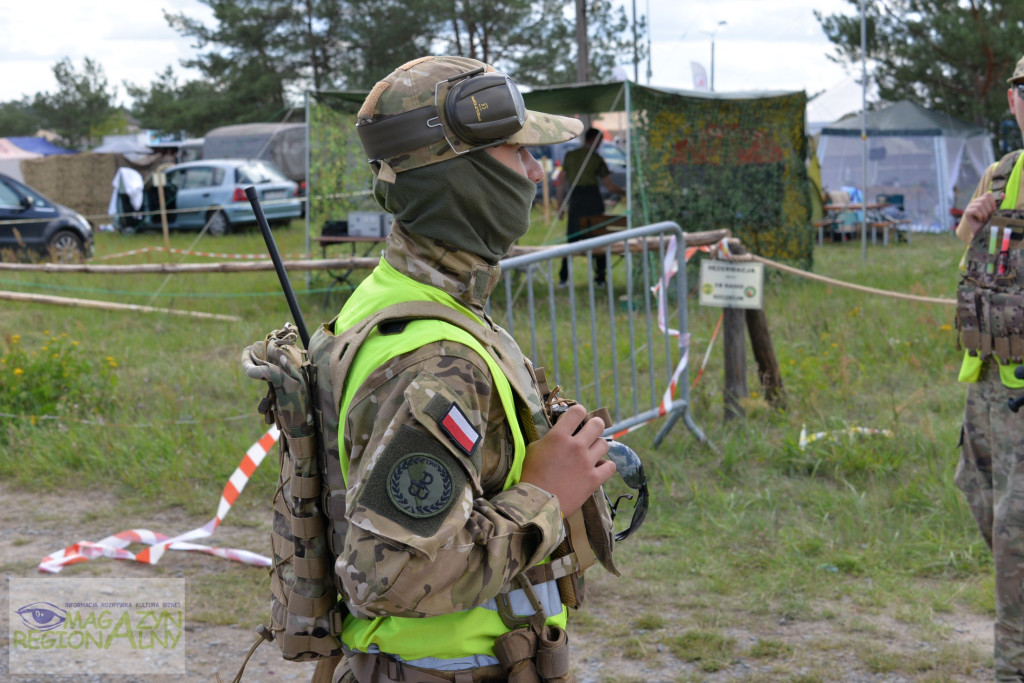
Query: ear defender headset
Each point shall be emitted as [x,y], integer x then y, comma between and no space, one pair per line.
[481,110]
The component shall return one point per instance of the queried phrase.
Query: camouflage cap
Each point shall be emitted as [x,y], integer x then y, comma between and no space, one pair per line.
[1018,73]
[411,88]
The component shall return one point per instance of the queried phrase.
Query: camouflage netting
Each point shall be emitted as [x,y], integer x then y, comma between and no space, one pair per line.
[340,179]
[79,181]
[725,162]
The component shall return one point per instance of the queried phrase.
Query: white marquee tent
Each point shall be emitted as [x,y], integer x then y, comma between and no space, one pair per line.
[844,98]
[931,161]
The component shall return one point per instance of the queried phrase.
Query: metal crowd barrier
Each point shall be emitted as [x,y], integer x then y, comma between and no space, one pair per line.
[615,354]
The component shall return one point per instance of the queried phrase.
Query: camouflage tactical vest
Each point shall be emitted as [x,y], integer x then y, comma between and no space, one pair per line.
[303,401]
[990,296]
[309,504]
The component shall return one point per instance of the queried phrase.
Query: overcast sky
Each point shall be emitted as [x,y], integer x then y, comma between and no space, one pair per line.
[762,45]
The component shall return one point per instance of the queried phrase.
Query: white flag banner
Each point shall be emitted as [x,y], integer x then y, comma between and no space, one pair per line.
[700,76]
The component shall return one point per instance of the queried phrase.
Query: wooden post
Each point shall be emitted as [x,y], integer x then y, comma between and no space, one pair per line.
[158,180]
[734,346]
[764,354]
[735,354]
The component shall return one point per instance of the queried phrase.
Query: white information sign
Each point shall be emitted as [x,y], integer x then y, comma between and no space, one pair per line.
[728,284]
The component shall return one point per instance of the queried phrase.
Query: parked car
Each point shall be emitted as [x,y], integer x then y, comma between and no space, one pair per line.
[213,191]
[613,155]
[29,222]
[616,160]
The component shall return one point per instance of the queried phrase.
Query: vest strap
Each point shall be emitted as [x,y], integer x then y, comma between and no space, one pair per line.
[304,487]
[507,613]
[374,667]
[307,527]
[312,568]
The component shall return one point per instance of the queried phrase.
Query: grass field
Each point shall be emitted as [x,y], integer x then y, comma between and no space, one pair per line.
[840,530]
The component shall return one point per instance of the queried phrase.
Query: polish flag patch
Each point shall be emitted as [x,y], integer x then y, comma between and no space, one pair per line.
[456,425]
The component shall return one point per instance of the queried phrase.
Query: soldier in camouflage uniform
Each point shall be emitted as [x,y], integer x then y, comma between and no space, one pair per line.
[457,481]
[989,472]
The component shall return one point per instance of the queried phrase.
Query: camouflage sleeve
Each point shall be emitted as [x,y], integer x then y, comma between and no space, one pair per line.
[430,529]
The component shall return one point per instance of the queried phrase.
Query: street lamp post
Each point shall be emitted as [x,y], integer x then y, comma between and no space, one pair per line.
[712,34]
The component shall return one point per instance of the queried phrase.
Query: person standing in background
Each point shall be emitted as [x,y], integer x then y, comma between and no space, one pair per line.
[992,439]
[582,170]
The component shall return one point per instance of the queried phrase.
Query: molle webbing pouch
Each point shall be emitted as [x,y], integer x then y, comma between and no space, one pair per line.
[990,296]
[303,398]
[306,616]
[531,657]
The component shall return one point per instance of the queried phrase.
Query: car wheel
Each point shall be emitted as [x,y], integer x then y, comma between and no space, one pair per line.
[66,247]
[219,224]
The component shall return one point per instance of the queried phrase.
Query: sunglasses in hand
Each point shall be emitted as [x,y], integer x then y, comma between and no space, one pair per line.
[631,471]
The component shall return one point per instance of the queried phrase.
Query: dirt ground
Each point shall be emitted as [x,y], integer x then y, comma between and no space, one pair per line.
[33,526]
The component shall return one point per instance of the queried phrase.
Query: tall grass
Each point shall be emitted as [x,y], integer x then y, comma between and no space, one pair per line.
[874,520]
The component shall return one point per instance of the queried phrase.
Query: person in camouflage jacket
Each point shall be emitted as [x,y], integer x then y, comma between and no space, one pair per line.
[989,472]
[457,481]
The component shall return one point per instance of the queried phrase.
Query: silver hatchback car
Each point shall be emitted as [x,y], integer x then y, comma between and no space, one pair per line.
[212,191]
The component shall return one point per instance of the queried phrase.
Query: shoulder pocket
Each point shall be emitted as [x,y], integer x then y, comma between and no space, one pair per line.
[455,419]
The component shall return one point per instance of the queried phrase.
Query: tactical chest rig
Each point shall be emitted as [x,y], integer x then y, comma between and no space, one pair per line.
[304,391]
[990,296]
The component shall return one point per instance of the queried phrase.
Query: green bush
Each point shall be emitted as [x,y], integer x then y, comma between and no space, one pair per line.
[55,380]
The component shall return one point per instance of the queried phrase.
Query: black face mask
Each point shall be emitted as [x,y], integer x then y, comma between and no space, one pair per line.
[473,202]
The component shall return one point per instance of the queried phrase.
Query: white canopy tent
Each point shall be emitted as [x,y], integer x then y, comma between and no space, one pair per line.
[930,161]
[842,99]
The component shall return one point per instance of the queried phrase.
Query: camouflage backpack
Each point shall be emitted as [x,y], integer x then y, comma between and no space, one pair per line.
[303,399]
[990,296]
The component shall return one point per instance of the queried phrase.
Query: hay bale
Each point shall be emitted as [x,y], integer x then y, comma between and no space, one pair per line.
[78,181]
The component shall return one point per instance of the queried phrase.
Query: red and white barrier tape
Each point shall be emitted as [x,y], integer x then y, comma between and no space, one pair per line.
[188,252]
[209,254]
[669,268]
[131,252]
[707,353]
[115,546]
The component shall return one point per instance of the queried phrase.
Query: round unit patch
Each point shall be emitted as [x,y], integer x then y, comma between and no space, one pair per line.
[420,485]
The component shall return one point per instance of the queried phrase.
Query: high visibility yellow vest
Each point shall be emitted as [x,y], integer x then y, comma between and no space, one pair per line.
[459,640]
[970,369]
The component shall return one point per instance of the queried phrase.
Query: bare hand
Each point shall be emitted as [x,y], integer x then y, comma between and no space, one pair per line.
[980,209]
[567,465]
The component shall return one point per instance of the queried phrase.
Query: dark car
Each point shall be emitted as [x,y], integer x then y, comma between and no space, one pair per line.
[29,222]
[615,158]
[212,191]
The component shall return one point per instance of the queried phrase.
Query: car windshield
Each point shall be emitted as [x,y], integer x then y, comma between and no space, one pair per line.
[613,154]
[8,197]
[255,172]
[11,192]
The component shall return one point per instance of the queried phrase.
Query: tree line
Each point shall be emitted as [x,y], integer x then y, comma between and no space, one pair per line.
[259,56]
